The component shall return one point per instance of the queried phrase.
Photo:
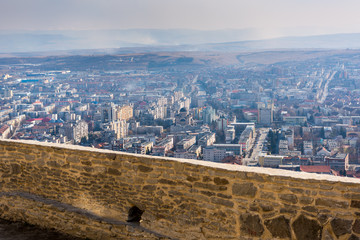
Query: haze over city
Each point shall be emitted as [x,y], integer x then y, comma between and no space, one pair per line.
[169,119]
[72,24]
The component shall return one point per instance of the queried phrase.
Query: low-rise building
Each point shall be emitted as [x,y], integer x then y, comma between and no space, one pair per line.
[270,160]
[207,140]
[214,154]
[186,143]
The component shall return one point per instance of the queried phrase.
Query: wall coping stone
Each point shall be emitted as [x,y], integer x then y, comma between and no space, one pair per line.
[229,167]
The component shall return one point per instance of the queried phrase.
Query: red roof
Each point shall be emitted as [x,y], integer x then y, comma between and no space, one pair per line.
[46,119]
[315,169]
[3,128]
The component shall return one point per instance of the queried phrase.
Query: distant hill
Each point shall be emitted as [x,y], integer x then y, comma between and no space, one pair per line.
[334,41]
[146,40]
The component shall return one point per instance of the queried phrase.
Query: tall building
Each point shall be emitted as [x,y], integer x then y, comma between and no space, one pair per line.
[108,113]
[76,131]
[266,113]
[120,128]
[8,93]
[209,115]
[229,134]
[125,112]
[221,123]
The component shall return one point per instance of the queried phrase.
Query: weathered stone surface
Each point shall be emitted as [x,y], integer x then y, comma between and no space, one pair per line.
[191,179]
[341,226]
[326,187]
[149,188]
[210,186]
[224,196]
[305,228]
[244,189]
[355,204]
[326,235]
[145,168]
[87,163]
[53,164]
[207,193]
[356,226]
[305,200]
[297,190]
[73,159]
[113,171]
[266,206]
[354,237]
[251,225]
[267,195]
[311,209]
[220,181]
[323,218]
[15,168]
[279,227]
[353,196]
[290,198]
[328,202]
[30,157]
[292,209]
[197,201]
[207,179]
[223,202]
[166,181]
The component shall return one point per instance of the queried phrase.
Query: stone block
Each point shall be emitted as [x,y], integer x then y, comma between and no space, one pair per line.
[355,204]
[166,181]
[15,168]
[223,202]
[30,157]
[305,200]
[206,179]
[54,164]
[297,190]
[150,188]
[310,209]
[356,226]
[86,163]
[329,193]
[224,196]
[251,225]
[341,226]
[210,186]
[279,227]
[305,228]
[244,189]
[192,179]
[113,171]
[146,169]
[328,202]
[289,198]
[353,237]
[220,181]
[326,187]
[267,195]
[291,209]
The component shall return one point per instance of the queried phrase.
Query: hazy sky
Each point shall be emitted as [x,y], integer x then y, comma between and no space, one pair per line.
[274,17]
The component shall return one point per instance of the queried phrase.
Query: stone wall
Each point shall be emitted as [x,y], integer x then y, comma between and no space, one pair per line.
[88,193]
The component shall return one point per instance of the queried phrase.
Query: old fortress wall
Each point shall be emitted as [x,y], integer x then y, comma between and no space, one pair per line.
[88,193]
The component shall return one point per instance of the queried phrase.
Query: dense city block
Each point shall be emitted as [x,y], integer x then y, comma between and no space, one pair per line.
[296,110]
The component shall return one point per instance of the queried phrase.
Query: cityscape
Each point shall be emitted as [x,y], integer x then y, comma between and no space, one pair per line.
[259,109]
[171,120]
